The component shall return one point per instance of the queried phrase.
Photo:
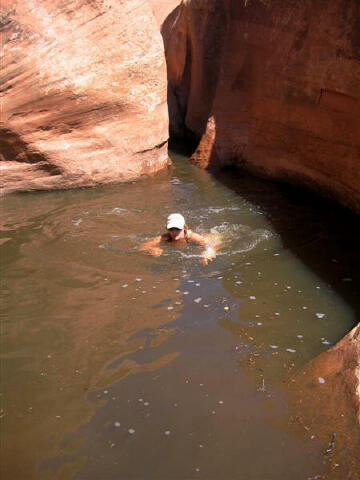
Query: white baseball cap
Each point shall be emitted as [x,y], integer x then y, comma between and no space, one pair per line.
[175,220]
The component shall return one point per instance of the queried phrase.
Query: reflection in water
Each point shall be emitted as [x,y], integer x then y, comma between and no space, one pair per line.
[110,355]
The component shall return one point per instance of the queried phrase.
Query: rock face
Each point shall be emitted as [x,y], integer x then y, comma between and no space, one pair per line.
[339,367]
[327,393]
[273,86]
[83,88]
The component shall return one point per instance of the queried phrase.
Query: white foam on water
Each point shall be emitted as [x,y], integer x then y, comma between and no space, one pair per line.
[119,210]
[232,208]
[230,239]
[175,181]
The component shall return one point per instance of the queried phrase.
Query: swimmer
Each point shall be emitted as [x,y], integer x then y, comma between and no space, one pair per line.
[178,231]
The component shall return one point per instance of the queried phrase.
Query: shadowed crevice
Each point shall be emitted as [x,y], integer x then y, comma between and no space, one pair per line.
[14,149]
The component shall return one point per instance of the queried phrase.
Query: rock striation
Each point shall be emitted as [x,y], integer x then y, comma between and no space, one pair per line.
[83,93]
[273,86]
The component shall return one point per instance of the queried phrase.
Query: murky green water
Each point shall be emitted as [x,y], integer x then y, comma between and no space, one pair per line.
[118,365]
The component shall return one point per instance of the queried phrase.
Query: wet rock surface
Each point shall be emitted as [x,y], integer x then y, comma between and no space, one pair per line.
[83,94]
[272,86]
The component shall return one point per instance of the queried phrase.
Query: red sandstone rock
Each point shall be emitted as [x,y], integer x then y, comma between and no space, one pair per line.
[270,85]
[83,93]
[339,370]
[327,404]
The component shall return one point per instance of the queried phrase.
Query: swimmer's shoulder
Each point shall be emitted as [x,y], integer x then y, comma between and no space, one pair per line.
[196,237]
[165,237]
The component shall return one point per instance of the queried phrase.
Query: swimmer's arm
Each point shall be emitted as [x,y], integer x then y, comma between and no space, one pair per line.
[209,252]
[208,255]
[196,238]
[153,246]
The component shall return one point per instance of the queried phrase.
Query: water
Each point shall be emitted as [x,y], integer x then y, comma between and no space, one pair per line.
[118,365]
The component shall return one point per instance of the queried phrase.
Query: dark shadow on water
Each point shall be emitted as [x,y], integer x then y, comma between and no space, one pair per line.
[321,233]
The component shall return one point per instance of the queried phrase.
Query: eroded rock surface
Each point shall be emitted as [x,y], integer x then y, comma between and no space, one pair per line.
[327,393]
[338,370]
[270,85]
[83,88]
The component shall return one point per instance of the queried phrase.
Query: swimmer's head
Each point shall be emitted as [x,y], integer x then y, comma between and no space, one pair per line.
[175,225]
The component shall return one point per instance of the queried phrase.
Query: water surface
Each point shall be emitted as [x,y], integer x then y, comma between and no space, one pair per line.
[118,365]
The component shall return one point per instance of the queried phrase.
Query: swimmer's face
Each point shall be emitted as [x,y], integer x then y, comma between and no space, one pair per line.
[176,233]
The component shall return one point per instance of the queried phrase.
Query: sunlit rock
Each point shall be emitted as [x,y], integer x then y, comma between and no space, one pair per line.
[327,397]
[340,366]
[83,93]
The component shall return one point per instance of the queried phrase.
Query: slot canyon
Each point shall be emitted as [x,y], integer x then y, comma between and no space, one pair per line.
[96,97]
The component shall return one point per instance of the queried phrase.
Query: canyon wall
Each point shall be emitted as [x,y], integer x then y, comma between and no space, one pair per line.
[83,93]
[271,85]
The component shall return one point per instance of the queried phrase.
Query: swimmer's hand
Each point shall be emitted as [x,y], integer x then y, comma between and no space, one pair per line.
[156,252]
[208,255]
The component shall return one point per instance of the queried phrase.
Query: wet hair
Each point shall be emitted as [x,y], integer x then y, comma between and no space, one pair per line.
[186,228]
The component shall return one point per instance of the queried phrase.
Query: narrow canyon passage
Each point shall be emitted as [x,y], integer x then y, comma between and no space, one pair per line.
[119,365]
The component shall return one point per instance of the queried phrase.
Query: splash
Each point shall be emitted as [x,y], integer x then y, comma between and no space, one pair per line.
[230,239]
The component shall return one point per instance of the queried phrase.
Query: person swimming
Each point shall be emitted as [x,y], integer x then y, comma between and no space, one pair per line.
[178,231]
